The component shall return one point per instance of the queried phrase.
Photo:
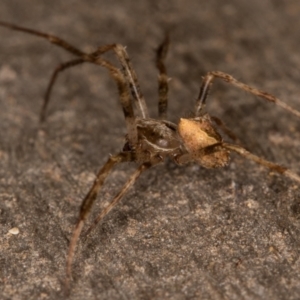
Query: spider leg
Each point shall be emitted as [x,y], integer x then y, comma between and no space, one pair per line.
[124,92]
[51,38]
[272,166]
[132,80]
[207,82]
[127,71]
[88,202]
[53,78]
[186,158]
[119,50]
[129,183]
[62,67]
[163,88]
[224,128]
[125,100]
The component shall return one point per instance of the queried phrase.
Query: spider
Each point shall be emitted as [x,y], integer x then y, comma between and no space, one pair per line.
[151,141]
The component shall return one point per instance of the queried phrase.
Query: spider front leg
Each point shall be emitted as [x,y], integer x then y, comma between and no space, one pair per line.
[128,72]
[94,57]
[62,67]
[131,77]
[208,80]
[87,205]
[129,183]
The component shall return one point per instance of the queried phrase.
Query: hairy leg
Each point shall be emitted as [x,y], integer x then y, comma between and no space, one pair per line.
[119,77]
[129,183]
[132,80]
[225,129]
[163,88]
[272,166]
[53,78]
[208,80]
[119,50]
[87,205]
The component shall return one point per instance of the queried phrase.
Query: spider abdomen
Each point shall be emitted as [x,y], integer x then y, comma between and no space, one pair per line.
[199,138]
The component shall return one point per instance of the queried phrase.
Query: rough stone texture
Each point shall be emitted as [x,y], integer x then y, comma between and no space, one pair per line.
[182,232]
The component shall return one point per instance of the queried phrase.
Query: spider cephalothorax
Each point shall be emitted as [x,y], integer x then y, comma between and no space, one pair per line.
[157,139]
[151,141]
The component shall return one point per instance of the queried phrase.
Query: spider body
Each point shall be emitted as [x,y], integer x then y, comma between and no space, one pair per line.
[157,139]
[192,140]
[151,141]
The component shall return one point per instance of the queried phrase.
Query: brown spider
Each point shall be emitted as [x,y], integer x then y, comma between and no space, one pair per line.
[151,141]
